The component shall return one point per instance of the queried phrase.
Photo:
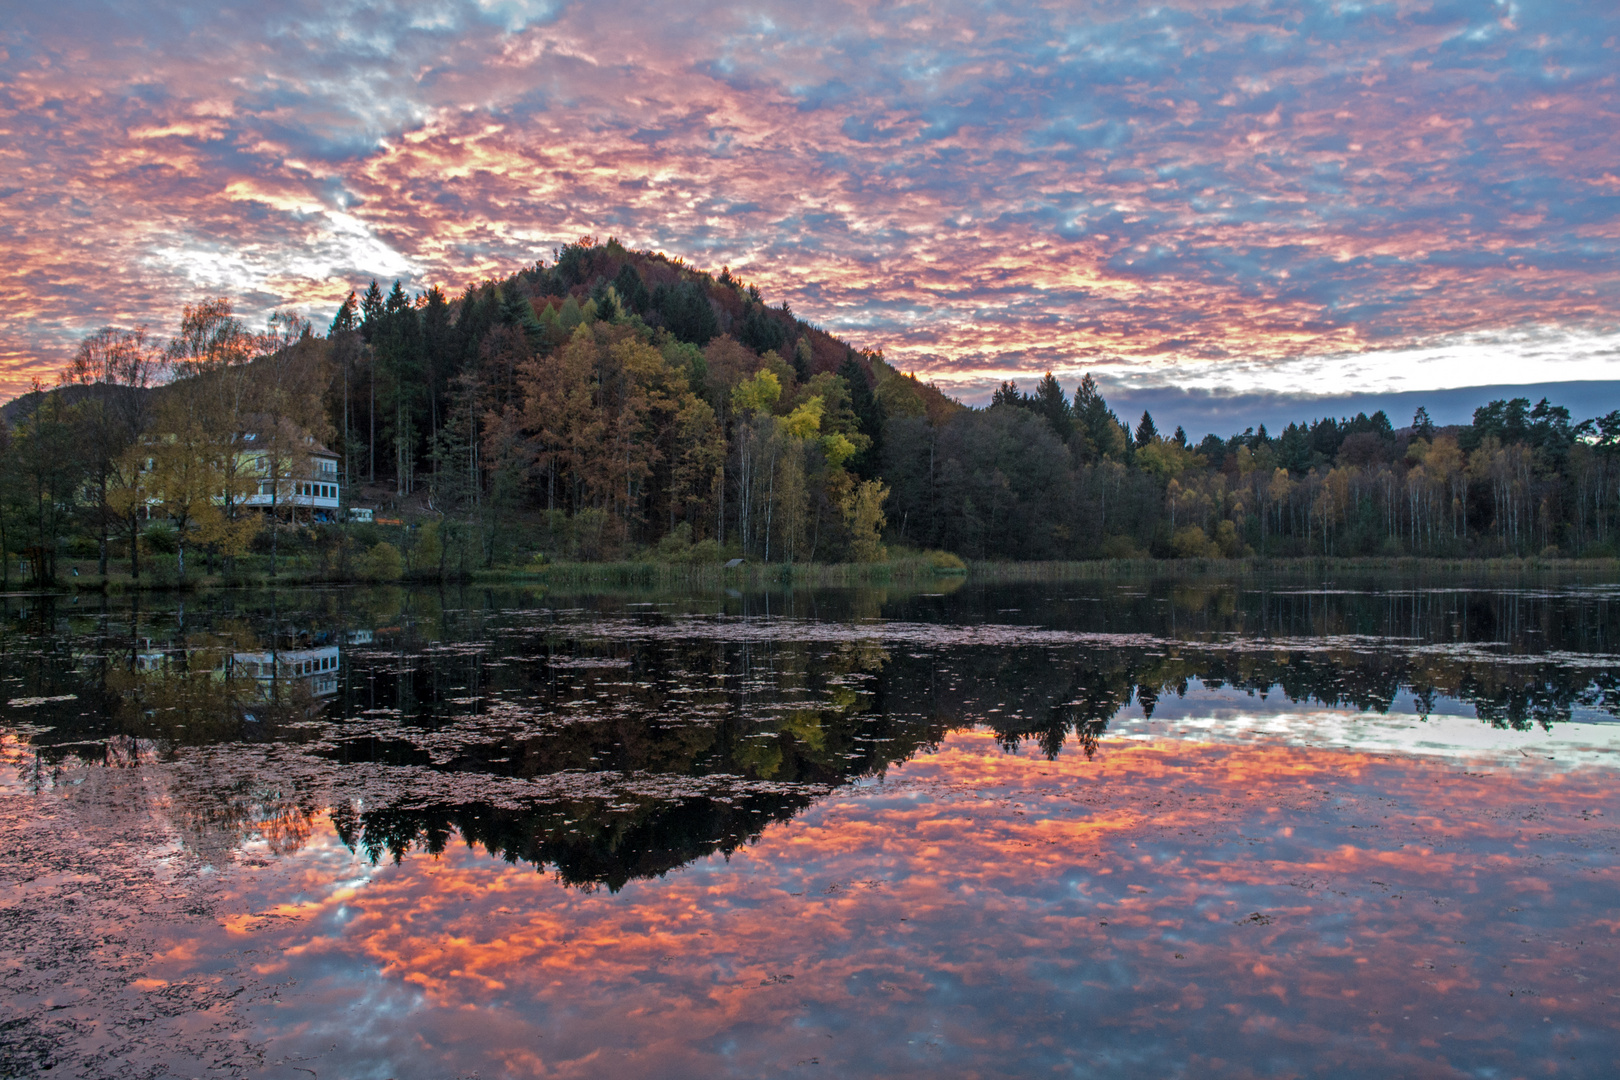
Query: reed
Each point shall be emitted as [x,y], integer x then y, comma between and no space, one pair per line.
[714,576]
[1402,567]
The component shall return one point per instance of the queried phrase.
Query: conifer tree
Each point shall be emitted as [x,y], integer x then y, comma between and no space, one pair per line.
[1145,431]
[1050,401]
[1422,426]
[371,310]
[346,318]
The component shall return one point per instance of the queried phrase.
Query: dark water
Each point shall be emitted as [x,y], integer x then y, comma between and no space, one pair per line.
[1159,829]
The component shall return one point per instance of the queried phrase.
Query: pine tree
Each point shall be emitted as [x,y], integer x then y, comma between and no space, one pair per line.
[868,411]
[631,290]
[1105,435]
[1007,394]
[371,311]
[687,313]
[802,357]
[1050,401]
[1145,431]
[346,317]
[1422,426]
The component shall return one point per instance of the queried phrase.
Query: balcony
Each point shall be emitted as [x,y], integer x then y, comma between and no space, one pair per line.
[313,494]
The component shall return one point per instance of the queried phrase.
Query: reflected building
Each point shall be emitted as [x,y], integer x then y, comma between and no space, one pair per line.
[316,668]
[149,655]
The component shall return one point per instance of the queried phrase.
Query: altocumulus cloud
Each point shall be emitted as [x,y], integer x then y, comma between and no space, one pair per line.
[1203,188]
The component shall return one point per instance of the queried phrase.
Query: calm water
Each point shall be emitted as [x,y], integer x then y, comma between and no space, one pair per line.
[1158,829]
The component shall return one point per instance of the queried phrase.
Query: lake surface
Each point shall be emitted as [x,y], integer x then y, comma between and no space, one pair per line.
[1251,829]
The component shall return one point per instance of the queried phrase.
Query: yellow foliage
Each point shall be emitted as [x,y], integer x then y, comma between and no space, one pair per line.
[838,449]
[1167,460]
[863,513]
[804,421]
[1192,543]
[759,394]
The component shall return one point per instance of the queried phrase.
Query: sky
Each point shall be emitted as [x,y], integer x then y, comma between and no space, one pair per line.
[1287,198]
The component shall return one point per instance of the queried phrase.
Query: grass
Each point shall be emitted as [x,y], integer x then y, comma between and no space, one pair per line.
[1406,566]
[909,568]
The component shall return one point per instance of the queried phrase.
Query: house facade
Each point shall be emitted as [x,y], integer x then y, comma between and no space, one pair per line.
[308,487]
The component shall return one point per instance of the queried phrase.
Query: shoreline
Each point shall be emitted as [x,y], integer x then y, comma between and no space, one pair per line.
[910,570]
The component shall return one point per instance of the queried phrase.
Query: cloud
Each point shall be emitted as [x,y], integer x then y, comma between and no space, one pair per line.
[972,187]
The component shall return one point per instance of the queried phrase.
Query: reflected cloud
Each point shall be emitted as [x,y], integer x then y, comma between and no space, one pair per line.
[1184,905]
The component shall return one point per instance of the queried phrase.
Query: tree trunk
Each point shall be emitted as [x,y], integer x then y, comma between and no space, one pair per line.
[102,521]
[275,533]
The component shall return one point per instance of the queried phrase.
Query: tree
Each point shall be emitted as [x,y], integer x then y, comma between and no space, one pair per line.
[1422,426]
[127,495]
[1105,436]
[631,290]
[803,357]
[372,315]
[686,311]
[121,366]
[1145,431]
[212,354]
[371,310]
[48,457]
[347,318]
[1007,396]
[1050,401]
[868,411]
[760,330]
[863,513]
[187,474]
[397,347]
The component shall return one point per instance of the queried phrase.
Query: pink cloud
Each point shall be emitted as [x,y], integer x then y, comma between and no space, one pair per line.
[967,188]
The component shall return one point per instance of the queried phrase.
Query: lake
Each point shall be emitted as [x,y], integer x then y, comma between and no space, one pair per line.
[1268,827]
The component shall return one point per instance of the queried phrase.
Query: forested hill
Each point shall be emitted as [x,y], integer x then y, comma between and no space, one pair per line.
[629,397]
[615,402]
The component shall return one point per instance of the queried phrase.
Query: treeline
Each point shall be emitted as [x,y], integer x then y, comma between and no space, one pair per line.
[613,403]
[1047,476]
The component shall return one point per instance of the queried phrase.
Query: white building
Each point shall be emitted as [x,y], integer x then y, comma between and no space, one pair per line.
[309,486]
[316,667]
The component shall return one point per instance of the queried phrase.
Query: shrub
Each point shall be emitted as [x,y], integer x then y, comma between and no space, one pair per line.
[381,563]
[1231,545]
[1191,543]
[160,538]
[706,551]
[1122,547]
[426,549]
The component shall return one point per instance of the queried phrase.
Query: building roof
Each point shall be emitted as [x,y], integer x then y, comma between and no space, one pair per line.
[255,425]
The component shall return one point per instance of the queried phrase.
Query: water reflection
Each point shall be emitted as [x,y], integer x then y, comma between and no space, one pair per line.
[1160,909]
[611,741]
[993,831]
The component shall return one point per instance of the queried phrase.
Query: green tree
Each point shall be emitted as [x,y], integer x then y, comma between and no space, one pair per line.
[47,454]
[1050,401]
[1146,432]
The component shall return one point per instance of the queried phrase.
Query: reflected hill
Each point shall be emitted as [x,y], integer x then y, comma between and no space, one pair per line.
[607,740]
